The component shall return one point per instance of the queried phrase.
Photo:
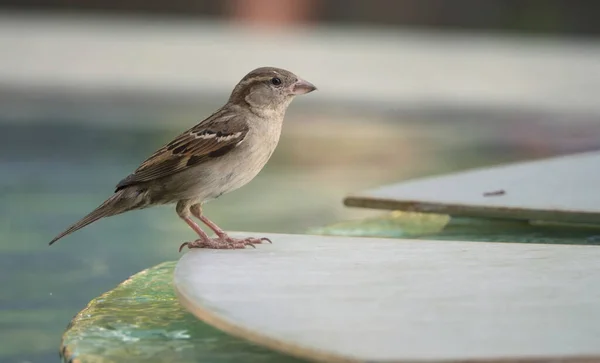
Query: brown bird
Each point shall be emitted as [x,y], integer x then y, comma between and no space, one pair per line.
[220,154]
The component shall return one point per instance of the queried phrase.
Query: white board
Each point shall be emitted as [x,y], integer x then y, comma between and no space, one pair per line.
[563,189]
[340,299]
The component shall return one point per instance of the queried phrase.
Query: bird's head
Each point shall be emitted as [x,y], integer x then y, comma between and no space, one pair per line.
[269,88]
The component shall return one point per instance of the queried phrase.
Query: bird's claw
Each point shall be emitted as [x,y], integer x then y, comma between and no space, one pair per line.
[183,245]
[224,243]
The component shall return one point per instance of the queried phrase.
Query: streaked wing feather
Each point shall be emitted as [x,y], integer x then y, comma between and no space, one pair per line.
[212,138]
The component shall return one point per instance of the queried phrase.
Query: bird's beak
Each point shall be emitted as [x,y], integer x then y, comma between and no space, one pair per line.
[301,87]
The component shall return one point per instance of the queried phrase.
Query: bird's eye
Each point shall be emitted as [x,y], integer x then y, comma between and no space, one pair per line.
[276,81]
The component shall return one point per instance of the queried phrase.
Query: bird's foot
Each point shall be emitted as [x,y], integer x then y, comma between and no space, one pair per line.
[225,242]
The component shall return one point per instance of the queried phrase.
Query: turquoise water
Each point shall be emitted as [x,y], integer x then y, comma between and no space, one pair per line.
[52,173]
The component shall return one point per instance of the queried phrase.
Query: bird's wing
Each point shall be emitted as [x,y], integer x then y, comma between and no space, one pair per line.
[212,138]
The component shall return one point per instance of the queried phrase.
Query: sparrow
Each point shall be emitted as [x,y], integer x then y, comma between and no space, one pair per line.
[222,153]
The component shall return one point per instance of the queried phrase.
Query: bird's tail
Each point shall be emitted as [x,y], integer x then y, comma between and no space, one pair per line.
[116,204]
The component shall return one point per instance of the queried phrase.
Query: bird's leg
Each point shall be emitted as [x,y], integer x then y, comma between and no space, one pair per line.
[196,210]
[183,211]
[196,228]
[203,241]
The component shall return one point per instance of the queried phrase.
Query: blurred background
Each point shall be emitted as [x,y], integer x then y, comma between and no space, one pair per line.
[89,88]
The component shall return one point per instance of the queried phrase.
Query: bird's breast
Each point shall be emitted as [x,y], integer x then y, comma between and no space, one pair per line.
[241,165]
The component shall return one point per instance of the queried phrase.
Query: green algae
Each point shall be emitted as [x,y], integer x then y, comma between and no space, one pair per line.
[141,321]
[411,225]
